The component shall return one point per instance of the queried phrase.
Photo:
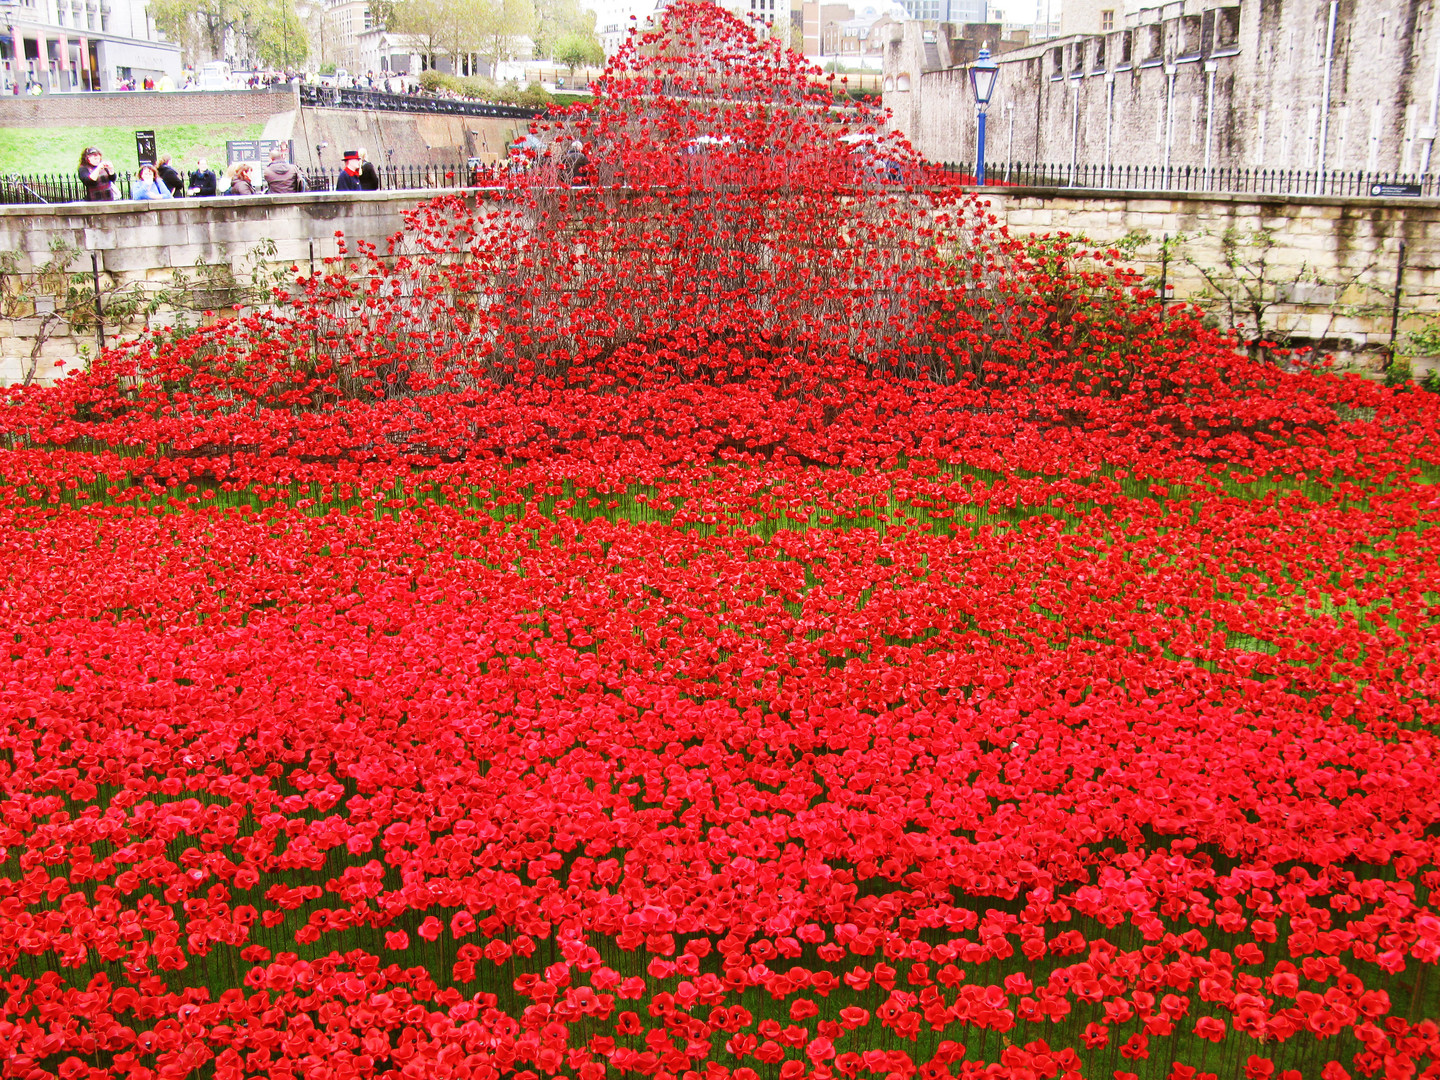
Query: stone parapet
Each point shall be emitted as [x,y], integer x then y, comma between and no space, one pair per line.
[1331,261]
[1329,265]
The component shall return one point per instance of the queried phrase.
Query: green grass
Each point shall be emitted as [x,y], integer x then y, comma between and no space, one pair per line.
[57,150]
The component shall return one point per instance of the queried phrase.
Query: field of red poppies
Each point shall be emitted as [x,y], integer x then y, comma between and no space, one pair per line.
[743,615]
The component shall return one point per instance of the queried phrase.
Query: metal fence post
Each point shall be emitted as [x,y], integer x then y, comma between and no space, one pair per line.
[1395,308]
[1164,268]
[99,310]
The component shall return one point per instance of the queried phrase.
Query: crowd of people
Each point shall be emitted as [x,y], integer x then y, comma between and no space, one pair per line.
[164,179]
[258,80]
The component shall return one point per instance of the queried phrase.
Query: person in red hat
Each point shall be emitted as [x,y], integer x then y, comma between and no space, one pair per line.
[350,175]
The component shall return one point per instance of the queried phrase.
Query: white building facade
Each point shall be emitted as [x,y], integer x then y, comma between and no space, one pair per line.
[62,46]
[614,19]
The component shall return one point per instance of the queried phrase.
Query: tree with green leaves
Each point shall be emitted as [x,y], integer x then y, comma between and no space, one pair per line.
[557,20]
[503,23]
[268,32]
[574,51]
[424,23]
[454,29]
[275,35]
[382,12]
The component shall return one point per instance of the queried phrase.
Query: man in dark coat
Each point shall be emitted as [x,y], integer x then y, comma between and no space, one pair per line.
[575,166]
[170,177]
[369,175]
[350,175]
[203,181]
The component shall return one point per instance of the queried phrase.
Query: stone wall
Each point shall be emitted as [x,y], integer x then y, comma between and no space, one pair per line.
[1328,277]
[402,138]
[1254,84]
[1328,273]
[203,240]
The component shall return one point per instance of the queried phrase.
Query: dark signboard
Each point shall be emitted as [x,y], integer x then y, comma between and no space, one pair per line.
[1392,190]
[257,149]
[145,147]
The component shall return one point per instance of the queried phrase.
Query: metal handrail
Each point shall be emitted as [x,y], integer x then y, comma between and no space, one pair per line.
[34,190]
[336,97]
[66,187]
[1197,178]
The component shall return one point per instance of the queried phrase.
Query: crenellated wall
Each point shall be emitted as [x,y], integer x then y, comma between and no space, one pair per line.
[1248,83]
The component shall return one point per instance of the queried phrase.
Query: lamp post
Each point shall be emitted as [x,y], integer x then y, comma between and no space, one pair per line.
[984,73]
[17,48]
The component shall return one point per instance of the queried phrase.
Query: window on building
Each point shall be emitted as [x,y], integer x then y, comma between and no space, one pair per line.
[1107,21]
[1227,29]
[1057,63]
[1126,47]
[1100,54]
[369,20]
[1190,35]
[1156,43]
[1078,56]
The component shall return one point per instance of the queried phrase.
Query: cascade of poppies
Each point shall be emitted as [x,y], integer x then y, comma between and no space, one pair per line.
[718,609]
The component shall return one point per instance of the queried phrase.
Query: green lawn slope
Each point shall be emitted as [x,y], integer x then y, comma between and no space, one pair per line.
[52,150]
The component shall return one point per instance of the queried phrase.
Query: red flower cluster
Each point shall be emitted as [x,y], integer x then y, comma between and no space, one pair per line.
[742,615]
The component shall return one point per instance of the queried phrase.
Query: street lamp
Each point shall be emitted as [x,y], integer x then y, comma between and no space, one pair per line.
[17,56]
[984,73]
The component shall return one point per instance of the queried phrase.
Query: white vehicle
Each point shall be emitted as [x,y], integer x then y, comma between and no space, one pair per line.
[215,76]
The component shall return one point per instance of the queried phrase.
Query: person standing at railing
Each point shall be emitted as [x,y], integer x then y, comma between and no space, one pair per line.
[281,177]
[203,181]
[148,185]
[242,178]
[369,175]
[170,177]
[575,166]
[350,175]
[98,176]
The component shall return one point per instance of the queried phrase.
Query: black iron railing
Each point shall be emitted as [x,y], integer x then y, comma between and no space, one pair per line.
[51,188]
[1228,180]
[334,97]
[66,188]
[403,177]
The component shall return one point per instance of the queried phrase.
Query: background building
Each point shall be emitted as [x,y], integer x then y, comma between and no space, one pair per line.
[614,19]
[1091,17]
[65,45]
